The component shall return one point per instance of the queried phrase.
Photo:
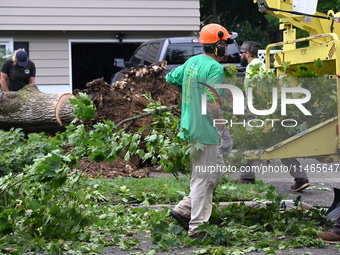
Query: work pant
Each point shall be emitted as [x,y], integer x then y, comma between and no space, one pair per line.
[204,178]
[299,174]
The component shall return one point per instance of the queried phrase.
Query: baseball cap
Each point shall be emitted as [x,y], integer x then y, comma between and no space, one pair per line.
[22,58]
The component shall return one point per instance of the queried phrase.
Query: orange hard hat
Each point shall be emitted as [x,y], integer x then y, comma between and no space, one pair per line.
[213,33]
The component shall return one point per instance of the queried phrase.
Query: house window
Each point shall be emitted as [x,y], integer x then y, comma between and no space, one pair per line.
[6,47]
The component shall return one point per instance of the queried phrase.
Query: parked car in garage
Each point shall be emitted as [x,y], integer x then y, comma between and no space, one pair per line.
[174,50]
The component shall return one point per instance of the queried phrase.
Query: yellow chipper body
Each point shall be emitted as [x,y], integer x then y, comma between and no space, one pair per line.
[321,141]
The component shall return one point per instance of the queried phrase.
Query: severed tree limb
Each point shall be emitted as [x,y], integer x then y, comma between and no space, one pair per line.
[143,115]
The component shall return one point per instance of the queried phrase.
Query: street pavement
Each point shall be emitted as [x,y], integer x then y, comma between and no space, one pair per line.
[323,177]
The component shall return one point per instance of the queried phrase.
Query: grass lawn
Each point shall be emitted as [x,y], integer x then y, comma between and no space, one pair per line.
[169,190]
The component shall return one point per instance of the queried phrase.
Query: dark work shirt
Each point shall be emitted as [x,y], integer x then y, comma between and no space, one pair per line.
[18,76]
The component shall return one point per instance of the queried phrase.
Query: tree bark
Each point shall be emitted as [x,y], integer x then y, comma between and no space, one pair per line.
[35,111]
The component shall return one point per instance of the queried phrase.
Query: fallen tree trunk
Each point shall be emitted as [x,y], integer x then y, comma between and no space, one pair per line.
[35,111]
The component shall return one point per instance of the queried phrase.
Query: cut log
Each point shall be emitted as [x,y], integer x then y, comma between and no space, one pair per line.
[35,111]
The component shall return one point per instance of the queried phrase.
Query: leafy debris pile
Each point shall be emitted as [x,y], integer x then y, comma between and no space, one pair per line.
[126,99]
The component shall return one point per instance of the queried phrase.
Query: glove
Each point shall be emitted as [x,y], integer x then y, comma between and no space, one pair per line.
[226,144]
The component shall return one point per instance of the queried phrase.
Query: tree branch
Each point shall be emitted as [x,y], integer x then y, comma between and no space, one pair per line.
[143,115]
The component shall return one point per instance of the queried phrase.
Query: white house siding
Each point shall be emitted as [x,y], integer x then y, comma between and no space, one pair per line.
[50,51]
[100,15]
[50,54]
[50,27]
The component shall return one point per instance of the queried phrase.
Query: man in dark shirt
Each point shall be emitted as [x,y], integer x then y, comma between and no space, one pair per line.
[17,72]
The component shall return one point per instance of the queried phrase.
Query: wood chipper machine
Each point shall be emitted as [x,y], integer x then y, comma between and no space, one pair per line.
[321,141]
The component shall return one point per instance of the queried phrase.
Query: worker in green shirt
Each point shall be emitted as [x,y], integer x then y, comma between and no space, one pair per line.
[201,101]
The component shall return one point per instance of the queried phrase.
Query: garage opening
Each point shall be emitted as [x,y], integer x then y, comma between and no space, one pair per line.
[95,60]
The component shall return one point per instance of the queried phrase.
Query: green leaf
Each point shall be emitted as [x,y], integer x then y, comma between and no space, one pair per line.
[151,138]
[127,156]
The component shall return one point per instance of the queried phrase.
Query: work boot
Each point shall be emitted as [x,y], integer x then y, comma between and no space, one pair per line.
[330,237]
[182,221]
[298,186]
[201,236]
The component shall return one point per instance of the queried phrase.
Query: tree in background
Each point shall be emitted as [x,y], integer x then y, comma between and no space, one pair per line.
[243,17]
[4,55]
